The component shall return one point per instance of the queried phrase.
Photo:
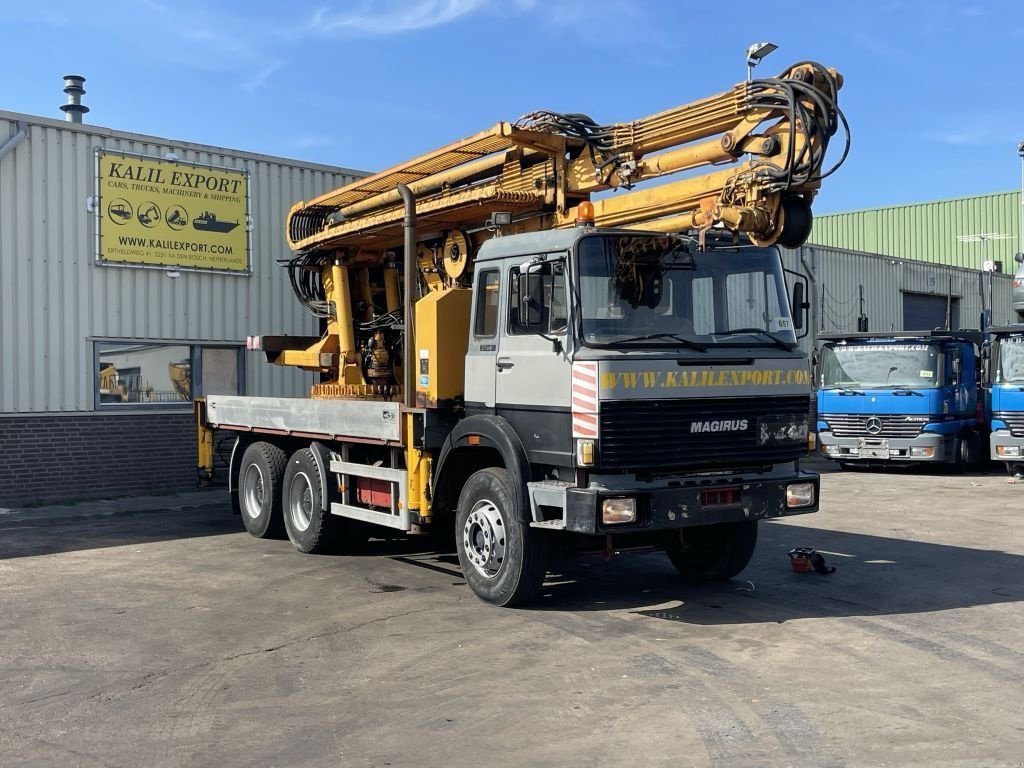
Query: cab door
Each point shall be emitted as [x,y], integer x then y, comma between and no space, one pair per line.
[483,340]
[532,369]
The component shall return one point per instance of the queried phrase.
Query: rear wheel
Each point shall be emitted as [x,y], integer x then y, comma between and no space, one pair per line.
[504,559]
[713,552]
[259,490]
[310,528]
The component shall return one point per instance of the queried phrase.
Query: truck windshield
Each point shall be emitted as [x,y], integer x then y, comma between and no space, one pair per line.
[875,366]
[1011,359]
[649,290]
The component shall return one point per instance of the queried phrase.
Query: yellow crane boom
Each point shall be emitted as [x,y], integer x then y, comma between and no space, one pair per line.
[772,133]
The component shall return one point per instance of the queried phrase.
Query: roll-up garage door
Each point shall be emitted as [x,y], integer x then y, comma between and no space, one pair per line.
[926,312]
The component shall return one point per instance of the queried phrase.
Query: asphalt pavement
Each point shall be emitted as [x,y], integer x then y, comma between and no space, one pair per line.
[160,634]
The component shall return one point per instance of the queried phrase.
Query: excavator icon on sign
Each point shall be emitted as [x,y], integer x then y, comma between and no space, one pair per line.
[149,214]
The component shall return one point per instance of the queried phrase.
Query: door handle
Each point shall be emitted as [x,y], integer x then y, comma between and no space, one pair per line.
[504,362]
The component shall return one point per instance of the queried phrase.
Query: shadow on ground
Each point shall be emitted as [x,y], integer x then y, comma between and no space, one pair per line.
[874,576]
[28,536]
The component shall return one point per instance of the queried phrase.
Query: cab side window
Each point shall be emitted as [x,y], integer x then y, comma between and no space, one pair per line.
[550,298]
[485,324]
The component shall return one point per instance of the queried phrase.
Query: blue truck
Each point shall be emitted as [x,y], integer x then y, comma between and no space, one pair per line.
[901,398]
[1006,396]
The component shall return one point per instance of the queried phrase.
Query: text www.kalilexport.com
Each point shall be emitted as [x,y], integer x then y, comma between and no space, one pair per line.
[173,245]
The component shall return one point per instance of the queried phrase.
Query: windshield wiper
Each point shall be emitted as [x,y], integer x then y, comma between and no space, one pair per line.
[782,343]
[674,337]
[842,390]
[904,389]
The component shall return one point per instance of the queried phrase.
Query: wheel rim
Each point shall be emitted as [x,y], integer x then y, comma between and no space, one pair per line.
[300,501]
[253,491]
[483,538]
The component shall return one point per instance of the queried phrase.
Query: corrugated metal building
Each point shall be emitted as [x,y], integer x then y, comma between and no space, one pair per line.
[67,430]
[930,231]
[892,294]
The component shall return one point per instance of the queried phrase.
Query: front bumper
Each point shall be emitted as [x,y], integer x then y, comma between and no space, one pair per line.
[892,449]
[683,506]
[1002,439]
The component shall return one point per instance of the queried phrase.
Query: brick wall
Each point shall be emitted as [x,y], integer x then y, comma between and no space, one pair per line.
[69,457]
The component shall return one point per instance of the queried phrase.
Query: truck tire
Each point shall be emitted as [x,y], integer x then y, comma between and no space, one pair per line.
[259,490]
[310,528]
[713,552]
[503,559]
[963,453]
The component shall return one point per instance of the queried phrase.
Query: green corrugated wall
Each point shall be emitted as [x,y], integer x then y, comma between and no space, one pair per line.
[928,231]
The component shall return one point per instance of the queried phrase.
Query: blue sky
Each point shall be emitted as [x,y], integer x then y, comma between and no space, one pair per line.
[932,90]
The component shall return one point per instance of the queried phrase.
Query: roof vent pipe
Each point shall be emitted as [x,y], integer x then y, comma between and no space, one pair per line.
[74,109]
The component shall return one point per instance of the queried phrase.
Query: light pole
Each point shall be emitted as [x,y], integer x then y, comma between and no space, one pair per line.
[755,53]
[986,267]
[1020,153]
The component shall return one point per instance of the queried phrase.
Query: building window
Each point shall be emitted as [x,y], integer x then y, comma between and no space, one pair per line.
[162,374]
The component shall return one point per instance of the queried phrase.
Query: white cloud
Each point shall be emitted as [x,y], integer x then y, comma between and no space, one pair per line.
[259,79]
[390,17]
[394,17]
[310,141]
[977,132]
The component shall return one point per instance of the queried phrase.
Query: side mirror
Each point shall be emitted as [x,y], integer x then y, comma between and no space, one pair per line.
[531,298]
[799,306]
[1019,258]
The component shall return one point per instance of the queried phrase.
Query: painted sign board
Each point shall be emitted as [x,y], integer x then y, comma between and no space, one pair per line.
[170,214]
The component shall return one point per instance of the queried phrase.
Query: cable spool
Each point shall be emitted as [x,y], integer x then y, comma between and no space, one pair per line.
[793,221]
[455,254]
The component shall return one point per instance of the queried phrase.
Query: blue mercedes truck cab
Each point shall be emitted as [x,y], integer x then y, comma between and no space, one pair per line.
[1006,396]
[900,398]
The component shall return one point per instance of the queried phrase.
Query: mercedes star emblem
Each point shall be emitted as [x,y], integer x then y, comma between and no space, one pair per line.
[874,425]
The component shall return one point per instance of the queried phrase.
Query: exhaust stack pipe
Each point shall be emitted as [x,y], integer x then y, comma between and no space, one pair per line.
[409,277]
[74,109]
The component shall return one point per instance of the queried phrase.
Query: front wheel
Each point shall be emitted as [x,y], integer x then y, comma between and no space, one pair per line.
[712,552]
[504,559]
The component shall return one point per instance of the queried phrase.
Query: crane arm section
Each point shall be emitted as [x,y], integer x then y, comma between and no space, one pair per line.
[772,134]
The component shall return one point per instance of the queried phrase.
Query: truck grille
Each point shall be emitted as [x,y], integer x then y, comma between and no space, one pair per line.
[1014,421]
[856,425]
[659,435]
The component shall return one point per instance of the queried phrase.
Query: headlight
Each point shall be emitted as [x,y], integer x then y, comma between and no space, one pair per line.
[618,511]
[831,450]
[799,495]
[1008,450]
[925,453]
